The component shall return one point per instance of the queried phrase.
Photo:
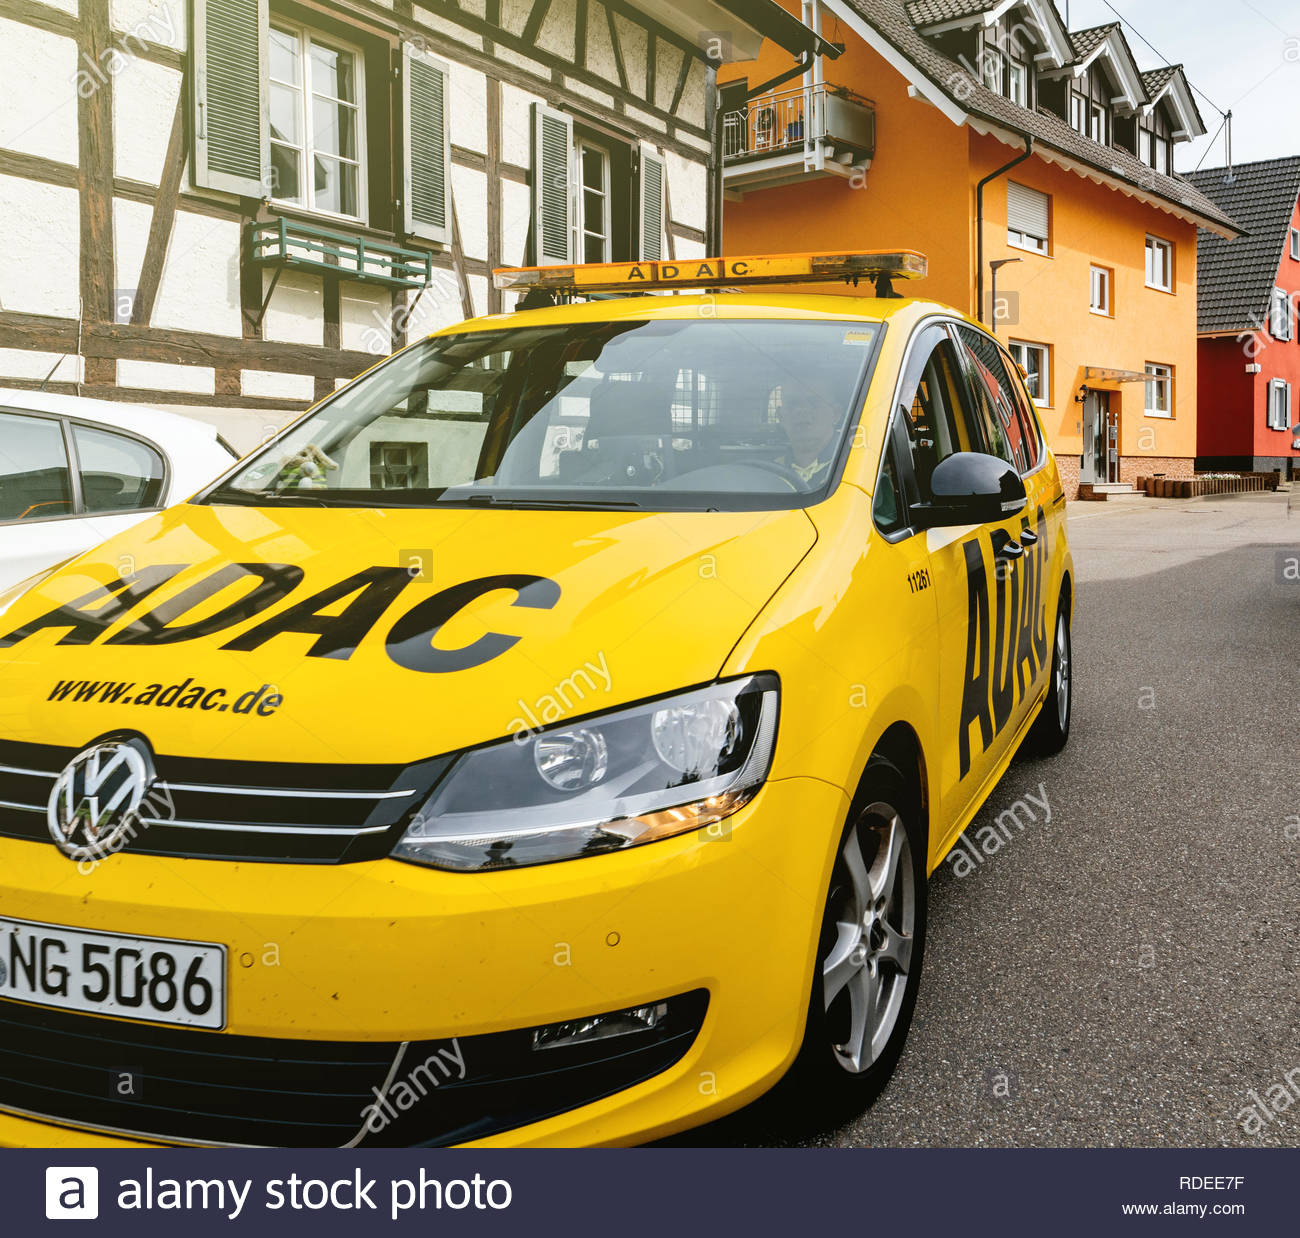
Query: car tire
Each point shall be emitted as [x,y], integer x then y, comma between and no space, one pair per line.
[1051,730]
[869,956]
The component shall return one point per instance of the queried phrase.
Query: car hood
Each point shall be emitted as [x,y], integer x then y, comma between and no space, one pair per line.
[344,635]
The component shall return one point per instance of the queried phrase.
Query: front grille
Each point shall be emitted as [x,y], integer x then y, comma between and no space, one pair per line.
[188,1085]
[182,1085]
[200,808]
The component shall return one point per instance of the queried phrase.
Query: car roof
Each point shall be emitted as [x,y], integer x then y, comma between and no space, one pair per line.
[151,423]
[808,307]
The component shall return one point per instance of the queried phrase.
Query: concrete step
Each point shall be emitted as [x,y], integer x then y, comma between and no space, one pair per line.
[1109,492]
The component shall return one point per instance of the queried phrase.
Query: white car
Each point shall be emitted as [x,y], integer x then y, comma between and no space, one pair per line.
[74,472]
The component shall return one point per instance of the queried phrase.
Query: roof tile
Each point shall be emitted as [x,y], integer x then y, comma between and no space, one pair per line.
[891,19]
[1236,278]
[931,12]
[1155,80]
[1085,42]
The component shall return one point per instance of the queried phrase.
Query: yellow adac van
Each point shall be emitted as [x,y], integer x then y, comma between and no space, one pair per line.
[546,740]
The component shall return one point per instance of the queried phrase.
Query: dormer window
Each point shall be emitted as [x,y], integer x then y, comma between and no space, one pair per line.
[1089,117]
[1079,112]
[1098,126]
[1089,107]
[1004,65]
[991,66]
[1018,82]
[1154,147]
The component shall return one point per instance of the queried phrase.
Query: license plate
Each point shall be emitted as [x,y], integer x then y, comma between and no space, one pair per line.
[151,978]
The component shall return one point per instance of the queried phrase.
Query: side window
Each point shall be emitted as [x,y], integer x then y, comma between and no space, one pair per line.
[1031,432]
[995,402]
[933,423]
[117,473]
[889,509]
[933,406]
[34,479]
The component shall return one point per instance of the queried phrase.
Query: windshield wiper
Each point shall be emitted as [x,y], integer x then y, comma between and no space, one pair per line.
[264,498]
[492,500]
[393,498]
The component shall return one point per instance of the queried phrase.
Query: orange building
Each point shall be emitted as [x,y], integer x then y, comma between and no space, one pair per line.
[1020,157]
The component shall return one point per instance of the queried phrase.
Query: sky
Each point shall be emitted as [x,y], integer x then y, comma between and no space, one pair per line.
[1243,54]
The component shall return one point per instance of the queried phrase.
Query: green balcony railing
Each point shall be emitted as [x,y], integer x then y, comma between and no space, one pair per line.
[283,243]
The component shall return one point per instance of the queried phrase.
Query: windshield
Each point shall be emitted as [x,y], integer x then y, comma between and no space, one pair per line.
[692,415]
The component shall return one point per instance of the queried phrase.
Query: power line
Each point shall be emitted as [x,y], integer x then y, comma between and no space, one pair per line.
[1209,146]
[1165,59]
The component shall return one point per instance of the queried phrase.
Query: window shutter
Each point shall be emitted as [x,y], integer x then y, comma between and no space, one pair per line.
[1279,325]
[1279,405]
[229,98]
[426,146]
[652,203]
[552,187]
[1028,211]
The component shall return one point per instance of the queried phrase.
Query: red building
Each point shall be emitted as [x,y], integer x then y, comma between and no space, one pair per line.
[1249,292]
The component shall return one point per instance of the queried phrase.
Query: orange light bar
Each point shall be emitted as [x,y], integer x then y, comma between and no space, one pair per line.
[716,272]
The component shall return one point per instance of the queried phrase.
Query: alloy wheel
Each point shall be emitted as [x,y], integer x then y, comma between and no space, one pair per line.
[873,911]
[1062,671]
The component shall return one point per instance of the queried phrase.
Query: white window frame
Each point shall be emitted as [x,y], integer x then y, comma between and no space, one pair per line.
[1157,245]
[1098,122]
[1161,155]
[306,35]
[1019,350]
[1295,244]
[581,231]
[1079,111]
[1101,281]
[1159,374]
[1280,318]
[1279,387]
[993,67]
[1022,240]
[1019,83]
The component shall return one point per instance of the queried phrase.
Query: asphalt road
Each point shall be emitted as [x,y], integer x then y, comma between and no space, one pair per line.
[1125,974]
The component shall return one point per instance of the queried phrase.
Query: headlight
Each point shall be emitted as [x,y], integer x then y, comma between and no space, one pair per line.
[600,784]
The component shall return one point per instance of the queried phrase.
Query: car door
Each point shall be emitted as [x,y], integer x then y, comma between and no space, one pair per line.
[1015,555]
[984,589]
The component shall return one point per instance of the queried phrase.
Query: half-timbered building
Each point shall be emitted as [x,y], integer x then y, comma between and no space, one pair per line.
[233,206]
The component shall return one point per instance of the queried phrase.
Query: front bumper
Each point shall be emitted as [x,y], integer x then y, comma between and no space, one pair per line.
[385,952]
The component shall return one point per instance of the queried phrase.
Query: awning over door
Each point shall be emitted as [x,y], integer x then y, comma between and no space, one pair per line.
[1108,374]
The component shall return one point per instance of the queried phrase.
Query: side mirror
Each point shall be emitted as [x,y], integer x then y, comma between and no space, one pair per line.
[972,488]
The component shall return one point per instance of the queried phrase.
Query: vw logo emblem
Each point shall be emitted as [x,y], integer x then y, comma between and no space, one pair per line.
[93,808]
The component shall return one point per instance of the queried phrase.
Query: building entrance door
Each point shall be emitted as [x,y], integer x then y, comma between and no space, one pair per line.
[1100,440]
